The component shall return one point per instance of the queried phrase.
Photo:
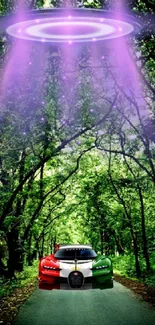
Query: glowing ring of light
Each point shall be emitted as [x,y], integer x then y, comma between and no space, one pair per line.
[69,25]
[104,28]
[32,30]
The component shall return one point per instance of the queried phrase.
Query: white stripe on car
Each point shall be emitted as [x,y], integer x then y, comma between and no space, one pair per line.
[83,266]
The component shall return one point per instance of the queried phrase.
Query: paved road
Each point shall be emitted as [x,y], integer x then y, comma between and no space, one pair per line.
[117,306]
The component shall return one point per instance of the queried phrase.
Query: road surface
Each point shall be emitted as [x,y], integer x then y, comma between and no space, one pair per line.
[117,306]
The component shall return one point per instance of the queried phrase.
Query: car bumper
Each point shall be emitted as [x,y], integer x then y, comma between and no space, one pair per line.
[99,282]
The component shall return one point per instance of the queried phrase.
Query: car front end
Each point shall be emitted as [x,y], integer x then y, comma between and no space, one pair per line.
[75,267]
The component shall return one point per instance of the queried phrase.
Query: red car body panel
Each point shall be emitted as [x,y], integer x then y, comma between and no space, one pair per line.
[47,275]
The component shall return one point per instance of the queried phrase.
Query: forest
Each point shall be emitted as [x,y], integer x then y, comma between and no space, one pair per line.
[77,149]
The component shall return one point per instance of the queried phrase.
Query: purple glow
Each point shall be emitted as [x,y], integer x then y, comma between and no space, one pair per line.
[65,29]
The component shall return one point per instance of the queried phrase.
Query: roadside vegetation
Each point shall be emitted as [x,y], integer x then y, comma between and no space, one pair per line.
[22,279]
[125,267]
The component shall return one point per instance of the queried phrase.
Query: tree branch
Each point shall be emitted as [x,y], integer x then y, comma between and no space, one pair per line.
[63,144]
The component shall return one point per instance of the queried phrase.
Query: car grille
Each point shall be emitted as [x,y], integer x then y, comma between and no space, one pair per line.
[76,279]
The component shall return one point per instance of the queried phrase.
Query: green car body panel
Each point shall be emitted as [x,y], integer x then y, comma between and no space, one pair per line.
[102,269]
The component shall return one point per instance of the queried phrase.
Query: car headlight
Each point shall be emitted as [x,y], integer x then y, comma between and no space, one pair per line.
[51,268]
[101,267]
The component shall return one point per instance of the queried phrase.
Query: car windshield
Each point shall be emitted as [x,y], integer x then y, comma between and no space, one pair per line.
[75,253]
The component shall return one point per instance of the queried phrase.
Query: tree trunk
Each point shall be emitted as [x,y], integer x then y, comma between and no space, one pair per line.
[133,234]
[120,249]
[29,254]
[135,247]
[15,260]
[101,240]
[144,239]
[138,270]
[42,245]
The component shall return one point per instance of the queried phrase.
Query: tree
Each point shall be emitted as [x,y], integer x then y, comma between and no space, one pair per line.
[50,182]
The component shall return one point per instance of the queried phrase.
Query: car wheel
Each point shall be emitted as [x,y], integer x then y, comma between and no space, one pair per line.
[110,284]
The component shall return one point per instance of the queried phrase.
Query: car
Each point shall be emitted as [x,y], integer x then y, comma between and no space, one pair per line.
[75,267]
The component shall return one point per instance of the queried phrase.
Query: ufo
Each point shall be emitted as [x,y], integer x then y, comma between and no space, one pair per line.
[69,25]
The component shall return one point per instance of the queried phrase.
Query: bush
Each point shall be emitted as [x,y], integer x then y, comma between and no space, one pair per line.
[124,265]
[21,279]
